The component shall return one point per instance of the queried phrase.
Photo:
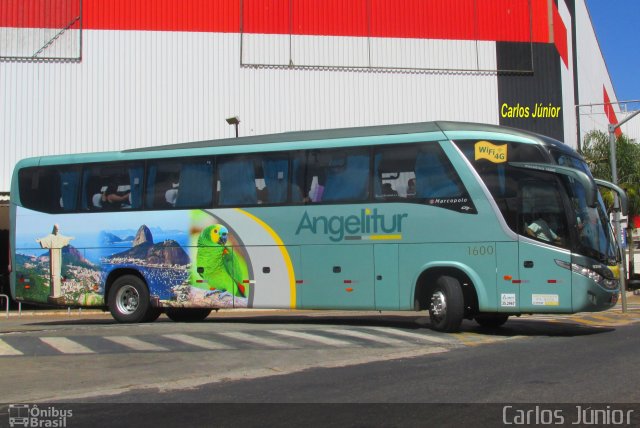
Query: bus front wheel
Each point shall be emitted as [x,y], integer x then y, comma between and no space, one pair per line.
[446,305]
[129,300]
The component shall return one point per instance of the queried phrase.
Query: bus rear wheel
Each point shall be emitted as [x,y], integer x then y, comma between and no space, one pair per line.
[446,305]
[187,315]
[129,300]
[491,320]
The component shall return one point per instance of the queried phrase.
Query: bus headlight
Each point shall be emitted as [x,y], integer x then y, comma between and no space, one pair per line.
[608,283]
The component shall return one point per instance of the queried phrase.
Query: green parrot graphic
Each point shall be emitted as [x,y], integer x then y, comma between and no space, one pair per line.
[222,270]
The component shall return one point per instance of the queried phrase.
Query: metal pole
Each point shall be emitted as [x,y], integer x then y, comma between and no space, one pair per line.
[6,298]
[616,214]
[616,203]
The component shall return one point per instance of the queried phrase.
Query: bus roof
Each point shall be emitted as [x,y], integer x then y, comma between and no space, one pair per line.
[367,131]
[277,142]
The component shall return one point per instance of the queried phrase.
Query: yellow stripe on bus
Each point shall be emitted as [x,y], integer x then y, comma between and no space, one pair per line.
[385,237]
[285,255]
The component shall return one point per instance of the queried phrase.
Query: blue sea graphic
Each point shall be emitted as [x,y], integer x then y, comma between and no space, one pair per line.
[159,279]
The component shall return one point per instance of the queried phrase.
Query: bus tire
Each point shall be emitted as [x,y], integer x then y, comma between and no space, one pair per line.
[491,320]
[129,300]
[446,305]
[187,315]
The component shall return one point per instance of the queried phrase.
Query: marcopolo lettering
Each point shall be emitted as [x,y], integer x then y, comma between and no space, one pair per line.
[363,226]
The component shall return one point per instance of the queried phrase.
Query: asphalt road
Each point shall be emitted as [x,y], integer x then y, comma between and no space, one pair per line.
[324,369]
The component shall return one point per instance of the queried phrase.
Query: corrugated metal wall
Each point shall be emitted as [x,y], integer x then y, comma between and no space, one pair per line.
[594,83]
[142,88]
[158,72]
[40,29]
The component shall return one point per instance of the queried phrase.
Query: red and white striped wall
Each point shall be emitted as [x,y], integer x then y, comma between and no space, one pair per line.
[97,75]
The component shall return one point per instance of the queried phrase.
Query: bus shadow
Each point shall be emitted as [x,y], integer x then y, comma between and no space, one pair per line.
[513,328]
[539,328]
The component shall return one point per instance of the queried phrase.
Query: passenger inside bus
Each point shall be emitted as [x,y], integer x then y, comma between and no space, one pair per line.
[543,213]
[387,190]
[114,198]
[171,195]
[411,187]
[540,228]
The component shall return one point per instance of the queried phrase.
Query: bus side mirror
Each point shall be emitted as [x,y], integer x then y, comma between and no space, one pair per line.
[622,195]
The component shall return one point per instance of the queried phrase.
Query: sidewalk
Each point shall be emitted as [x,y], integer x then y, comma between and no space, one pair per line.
[632,300]
[633,305]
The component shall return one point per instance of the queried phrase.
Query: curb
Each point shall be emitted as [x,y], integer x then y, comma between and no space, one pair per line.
[633,298]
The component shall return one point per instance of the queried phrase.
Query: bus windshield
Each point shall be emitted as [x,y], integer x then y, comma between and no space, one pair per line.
[535,193]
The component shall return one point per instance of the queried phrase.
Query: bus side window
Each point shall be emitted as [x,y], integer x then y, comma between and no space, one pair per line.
[196,184]
[69,186]
[435,176]
[347,176]
[308,177]
[50,189]
[163,184]
[315,176]
[331,176]
[394,176]
[275,170]
[542,213]
[112,186]
[298,186]
[237,181]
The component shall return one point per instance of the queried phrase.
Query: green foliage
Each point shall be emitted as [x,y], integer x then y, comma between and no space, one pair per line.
[595,150]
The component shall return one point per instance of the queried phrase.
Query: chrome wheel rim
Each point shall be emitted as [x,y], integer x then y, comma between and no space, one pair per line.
[438,306]
[127,299]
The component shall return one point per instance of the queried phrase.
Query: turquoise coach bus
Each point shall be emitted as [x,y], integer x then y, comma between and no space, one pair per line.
[463,220]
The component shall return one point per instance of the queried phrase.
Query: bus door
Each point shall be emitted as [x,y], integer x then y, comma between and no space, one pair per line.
[543,248]
[387,296]
[337,277]
[508,277]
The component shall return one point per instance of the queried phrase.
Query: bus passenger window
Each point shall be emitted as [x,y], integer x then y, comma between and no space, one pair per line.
[543,213]
[108,187]
[237,182]
[275,171]
[163,184]
[394,175]
[435,177]
[50,189]
[420,173]
[331,176]
[309,177]
[195,184]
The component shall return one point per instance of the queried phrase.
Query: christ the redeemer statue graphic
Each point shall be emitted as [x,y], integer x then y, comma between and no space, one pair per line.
[55,242]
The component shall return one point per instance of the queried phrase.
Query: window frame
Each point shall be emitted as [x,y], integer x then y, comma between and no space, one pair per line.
[301,155]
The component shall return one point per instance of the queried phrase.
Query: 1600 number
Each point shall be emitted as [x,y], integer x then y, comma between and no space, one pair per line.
[480,250]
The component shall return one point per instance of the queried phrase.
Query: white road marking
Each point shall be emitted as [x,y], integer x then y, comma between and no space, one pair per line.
[408,334]
[312,337]
[370,337]
[135,344]
[66,346]
[264,341]
[6,349]
[195,341]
